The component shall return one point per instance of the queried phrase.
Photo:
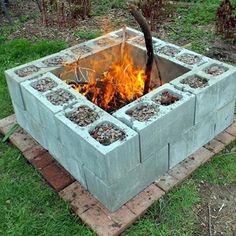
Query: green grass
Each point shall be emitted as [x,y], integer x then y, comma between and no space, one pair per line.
[195,24]
[17,52]
[88,34]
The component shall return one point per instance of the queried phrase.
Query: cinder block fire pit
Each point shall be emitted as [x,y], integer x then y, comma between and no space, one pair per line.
[85,106]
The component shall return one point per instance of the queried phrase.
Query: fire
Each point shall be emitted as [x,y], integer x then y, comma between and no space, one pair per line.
[121,84]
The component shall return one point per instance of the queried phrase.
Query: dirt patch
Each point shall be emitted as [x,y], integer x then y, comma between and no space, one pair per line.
[221,200]
[223,51]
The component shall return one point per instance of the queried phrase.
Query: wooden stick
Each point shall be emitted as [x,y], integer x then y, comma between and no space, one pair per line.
[209,220]
[148,41]
[123,44]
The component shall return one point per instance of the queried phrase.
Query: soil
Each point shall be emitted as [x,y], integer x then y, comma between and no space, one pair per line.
[166,98]
[59,97]
[195,82]
[189,59]
[83,116]
[168,50]
[44,84]
[107,134]
[215,70]
[142,113]
[27,71]
[222,202]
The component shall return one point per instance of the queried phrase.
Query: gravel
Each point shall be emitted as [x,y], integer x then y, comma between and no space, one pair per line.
[195,82]
[168,50]
[107,134]
[104,42]
[143,113]
[215,70]
[81,50]
[59,97]
[139,40]
[28,70]
[189,58]
[166,98]
[83,116]
[54,61]
[44,84]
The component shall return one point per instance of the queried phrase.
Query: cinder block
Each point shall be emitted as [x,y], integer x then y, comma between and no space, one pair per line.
[225,117]
[131,183]
[14,80]
[65,157]
[225,82]
[206,97]
[27,122]
[108,162]
[31,96]
[38,104]
[167,125]
[201,133]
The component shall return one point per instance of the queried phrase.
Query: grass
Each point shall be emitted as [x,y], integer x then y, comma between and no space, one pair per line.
[30,207]
[88,34]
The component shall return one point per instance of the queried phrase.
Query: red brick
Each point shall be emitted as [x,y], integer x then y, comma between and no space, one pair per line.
[145,199]
[100,222]
[42,161]
[167,182]
[22,140]
[34,152]
[215,146]
[123,216]
[56,176]
[225,138]
[79,198]
[7,122]
[232,129]
[179,172]
[197,159]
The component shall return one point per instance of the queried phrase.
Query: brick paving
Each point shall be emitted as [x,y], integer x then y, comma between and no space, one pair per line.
[87,207]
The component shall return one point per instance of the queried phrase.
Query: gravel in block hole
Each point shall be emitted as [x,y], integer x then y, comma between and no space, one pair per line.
[28,70]
[166,98]
[81,50]
[195,82]
[139,40]
[168,50]
[83,116]
[104,42]
[215,70]
[107,134]
[54,61]
[143,113]
[189,59]
[44,84]
[59,97]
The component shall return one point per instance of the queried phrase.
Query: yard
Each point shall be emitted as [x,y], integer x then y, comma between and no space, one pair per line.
[31,207]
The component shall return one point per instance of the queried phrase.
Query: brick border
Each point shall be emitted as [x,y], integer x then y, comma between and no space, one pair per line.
[87,207]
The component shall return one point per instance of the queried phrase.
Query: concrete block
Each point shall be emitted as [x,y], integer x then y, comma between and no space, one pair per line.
[14,79]
[65,157]
[225,82]
[27,122]
[31,96]
[169,122]
[206,97]
[108,162]
[225,117]
[131,183]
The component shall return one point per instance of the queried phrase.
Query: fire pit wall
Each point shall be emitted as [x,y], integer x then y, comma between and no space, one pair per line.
[149,135]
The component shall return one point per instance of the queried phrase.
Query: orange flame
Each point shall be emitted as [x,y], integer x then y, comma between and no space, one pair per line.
[121,84]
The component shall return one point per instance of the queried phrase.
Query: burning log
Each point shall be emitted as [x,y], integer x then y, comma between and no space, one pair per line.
[148,41]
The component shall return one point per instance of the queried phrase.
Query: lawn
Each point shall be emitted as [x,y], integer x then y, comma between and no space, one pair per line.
[28,206]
